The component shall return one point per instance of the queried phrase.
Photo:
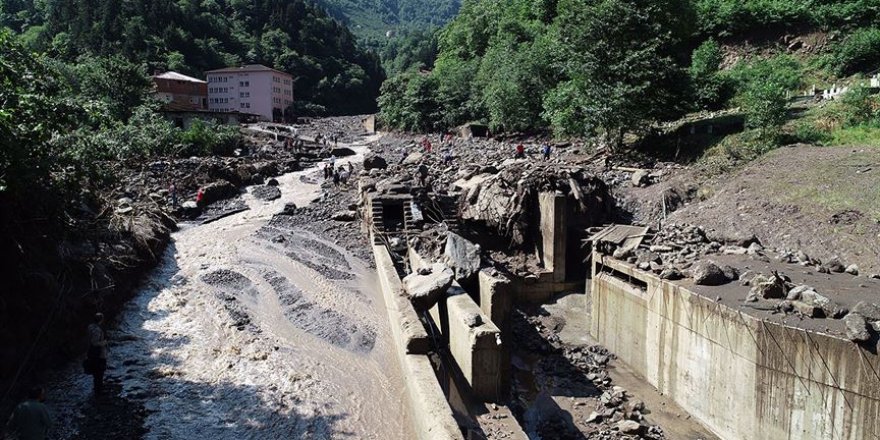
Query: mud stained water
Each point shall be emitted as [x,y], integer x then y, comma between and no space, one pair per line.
[238,336]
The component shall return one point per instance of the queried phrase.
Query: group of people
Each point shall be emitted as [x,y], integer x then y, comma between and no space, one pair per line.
[339,175]
[322,139]
[520,151]
[31,419]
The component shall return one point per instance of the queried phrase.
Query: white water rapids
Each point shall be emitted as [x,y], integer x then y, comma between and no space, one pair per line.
[235,336]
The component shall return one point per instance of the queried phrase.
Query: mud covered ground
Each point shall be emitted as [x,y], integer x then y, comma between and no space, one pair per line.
[256,325]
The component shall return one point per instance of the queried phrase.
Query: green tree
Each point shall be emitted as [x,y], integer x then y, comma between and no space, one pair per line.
[619,68]
[765,106]
[708,84]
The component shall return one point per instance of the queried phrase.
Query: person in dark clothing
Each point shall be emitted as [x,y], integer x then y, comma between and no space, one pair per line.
[335,177]
[545,150]
[30,420]
[520,152]
[97,355]
[423,174]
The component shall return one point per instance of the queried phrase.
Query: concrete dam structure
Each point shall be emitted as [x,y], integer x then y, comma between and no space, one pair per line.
[742,376]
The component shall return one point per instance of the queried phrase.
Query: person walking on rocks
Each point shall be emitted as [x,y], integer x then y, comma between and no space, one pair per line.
[200,196]
[520,152]
[336,177]
[30,420]
[545,150]
[427,145]
[96,359]
[447,157]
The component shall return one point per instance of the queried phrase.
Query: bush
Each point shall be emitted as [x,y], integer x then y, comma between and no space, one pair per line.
[765,107]
[205,139]
[858,107]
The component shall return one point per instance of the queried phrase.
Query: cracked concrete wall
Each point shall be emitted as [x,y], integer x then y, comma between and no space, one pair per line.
[742,377]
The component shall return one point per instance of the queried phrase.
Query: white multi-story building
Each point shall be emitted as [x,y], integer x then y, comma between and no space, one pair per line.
[254,88]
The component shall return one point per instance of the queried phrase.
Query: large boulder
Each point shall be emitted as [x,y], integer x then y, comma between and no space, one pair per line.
[856,328]
[870,311]
[641,178]
[342,152]
[266,192]
[462,256]
[217,191]
[708,273]
[767,287]
[373,161]
[428,285]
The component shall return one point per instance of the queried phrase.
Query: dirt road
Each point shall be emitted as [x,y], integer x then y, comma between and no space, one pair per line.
[246,331]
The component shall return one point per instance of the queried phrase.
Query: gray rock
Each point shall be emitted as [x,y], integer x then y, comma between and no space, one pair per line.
[462,256]
[813,298]
[856,328]
[272,182]
[629,427]
[707,273]
[266,193]
[413,158]
[641,178]
[852,269]
[808,310]
[834,265]
[373,161]
[795,293]
[755,249]
[424,290]
[871,311]
[344,216]
[671,273]
[217,191]
[767,287]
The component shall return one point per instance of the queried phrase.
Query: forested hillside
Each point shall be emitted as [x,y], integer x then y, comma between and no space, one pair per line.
[371,19]
[332,72]
[605,68]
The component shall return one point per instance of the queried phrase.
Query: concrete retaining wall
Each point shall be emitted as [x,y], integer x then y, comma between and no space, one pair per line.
[740,376]
[472,337]
[431,414]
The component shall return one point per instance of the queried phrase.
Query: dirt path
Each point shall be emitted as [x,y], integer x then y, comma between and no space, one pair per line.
[249,332]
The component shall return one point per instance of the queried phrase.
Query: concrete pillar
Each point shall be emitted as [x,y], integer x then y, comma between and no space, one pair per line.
[474,342]
[551,205]
[496,296]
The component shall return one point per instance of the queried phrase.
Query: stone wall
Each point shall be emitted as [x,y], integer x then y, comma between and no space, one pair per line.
[742,377]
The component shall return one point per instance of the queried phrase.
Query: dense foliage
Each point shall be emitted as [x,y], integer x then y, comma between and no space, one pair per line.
[332,71]
[603,68]
[738,17]
[525,65]
[373,19]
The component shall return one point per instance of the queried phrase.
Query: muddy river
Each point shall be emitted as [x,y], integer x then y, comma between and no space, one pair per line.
[254,331]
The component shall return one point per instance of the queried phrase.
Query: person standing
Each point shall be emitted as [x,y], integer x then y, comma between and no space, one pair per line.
[172,191]
[447,157]
[96,358]
[520,152]
[30,420]
[545,150]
